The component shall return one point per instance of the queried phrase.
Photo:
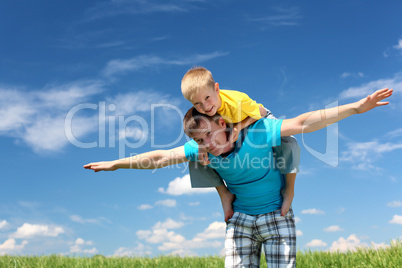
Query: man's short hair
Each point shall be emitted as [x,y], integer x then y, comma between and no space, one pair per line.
[192,121]
[194,80]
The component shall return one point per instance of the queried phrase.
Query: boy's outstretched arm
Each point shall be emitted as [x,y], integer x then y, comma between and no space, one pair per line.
[313,121]
[149,160]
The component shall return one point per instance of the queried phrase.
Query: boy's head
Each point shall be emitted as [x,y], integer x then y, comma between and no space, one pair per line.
[199,87]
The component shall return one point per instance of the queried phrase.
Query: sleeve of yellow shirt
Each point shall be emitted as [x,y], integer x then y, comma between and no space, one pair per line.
[250,107]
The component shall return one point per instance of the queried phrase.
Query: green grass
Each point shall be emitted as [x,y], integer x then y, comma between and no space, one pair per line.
[363,258]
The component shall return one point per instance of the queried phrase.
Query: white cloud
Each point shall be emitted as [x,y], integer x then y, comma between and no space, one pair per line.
[10,246]
[37,117]
[315,243]
[29,205]
[394,204]
[167,203]
[78,247]
[396,219]
[159,235]
[355,75]
[145,207]
[183,253]
[134,133]
[333,228]
[139,101]
[66,95]
[48,133]
[3,224]
[115,8]
[297,219]
[81,241]
[340,210]
[178,244]
[282,17]
[193,204]
[370,87]
[399,45]
[118,66]
[379,245]
[49,119]
[313,211]
[343,245]
[159,232]
[363,154]
[299,233]
[79,219]
[394,133]
[139,250]
[31,230]
[215,230]
[168,224]
[16,111]
[190,244]
[181,186]
[344,75]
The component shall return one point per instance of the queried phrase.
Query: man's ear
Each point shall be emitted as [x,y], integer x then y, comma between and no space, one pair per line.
[217,88]
[222,122]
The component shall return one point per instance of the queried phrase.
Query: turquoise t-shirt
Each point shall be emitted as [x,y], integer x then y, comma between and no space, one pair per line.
[250,170]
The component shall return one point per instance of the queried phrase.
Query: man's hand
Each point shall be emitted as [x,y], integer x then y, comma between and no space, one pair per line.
[101,166]
[234,134]
[203,156]
[373,100]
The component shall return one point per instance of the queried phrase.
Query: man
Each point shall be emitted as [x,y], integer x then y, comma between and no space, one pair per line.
[246,169]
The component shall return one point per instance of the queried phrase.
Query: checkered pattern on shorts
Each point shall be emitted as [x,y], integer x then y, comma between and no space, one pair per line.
[247,234]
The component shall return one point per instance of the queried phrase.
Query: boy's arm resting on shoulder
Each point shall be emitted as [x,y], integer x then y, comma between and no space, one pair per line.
[150,160]
[263,111]
[245,123]
[313,121]
[234,135]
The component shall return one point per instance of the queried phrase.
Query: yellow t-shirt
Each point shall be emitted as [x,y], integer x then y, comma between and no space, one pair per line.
[236,106]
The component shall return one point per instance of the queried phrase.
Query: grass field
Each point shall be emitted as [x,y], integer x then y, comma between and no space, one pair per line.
[390,257]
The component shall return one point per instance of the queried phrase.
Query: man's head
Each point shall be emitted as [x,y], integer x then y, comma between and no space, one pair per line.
[209,132]
[199,87]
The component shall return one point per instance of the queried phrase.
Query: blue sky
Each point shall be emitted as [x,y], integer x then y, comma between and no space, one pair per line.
[84,81]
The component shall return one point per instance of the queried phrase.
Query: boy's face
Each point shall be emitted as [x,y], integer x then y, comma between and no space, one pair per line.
[207,100]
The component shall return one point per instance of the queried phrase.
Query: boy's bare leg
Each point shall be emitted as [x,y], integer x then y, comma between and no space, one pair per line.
[288,192]
[227,199]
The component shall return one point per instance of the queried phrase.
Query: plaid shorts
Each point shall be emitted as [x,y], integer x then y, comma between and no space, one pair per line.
[247,234]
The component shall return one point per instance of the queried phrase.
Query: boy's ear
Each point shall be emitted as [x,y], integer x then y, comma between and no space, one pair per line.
[217,88]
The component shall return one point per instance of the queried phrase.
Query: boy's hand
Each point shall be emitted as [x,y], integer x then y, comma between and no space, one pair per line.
[373,100]
[234,134]
[203,156]
[101,166]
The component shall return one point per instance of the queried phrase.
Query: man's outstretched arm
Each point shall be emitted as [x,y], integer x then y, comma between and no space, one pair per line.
[313,121]
[149,160]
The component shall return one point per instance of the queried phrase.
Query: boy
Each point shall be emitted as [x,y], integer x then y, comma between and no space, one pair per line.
[237,109]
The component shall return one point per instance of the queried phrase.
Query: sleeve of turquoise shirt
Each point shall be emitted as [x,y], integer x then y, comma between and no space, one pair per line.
[273,128]
[191,150]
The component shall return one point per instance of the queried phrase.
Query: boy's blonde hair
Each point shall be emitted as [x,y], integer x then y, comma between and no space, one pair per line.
[194,80]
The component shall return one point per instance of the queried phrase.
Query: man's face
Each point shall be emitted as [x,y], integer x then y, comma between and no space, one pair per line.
[207,100]
[212,136]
